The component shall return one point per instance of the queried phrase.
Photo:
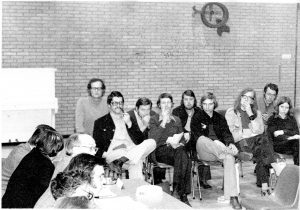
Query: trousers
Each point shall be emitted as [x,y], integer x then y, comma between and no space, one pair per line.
[208,150]
[136,155]
[182,166]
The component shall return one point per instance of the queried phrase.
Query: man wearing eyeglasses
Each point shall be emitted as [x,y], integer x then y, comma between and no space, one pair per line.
[120,141]
[266,103]
[90,108]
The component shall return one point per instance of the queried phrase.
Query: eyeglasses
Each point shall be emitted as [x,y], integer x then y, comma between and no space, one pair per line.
[247,97]
[96,88]
[114,103]
[91,148]
[271,95]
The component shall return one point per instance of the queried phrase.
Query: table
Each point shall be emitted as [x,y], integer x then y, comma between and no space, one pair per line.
[130,186]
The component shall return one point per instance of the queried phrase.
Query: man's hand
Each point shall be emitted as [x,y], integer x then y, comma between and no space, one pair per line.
[126,118]
[121,146]
[146,120]
[278,133]
[248,109]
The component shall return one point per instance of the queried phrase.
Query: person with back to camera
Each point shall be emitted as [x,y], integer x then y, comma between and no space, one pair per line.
[76,186]
[214,142]
[90,108]
[74,145]
[32,176]
[246,125]
[10,163]
[163,128]
[187,109]
[283,129]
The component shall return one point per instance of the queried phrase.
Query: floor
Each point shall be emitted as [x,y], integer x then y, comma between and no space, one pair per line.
[209,196]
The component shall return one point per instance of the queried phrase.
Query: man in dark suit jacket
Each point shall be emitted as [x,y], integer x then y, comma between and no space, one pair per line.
[120,140]
[187,109]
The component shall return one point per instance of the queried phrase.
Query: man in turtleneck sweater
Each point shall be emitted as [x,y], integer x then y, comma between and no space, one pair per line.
[90,108]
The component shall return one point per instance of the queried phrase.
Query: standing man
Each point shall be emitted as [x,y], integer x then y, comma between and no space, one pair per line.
[90,108]
[167,131]
[266,103]
[121,141]
[187,109]
[215,143]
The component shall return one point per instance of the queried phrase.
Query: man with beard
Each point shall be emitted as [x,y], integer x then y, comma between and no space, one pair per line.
[187,109]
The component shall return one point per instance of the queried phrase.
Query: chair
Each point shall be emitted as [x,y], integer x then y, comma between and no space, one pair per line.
[284,196]
[151,163]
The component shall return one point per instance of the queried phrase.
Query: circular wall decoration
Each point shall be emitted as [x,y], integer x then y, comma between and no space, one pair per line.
[214,14]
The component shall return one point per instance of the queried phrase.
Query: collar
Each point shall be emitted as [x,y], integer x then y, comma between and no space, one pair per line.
[171,117]
[278,116]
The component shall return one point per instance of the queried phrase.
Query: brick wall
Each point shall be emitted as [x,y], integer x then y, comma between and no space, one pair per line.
[144,49]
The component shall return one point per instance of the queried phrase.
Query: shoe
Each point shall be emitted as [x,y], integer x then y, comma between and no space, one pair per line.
[245,156]
[234,201]
[205,185]
[185,200]
[266,192]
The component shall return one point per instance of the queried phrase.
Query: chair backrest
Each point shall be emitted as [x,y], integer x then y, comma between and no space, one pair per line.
[287,185]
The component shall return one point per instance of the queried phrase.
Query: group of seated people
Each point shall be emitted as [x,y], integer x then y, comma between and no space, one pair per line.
[253,129]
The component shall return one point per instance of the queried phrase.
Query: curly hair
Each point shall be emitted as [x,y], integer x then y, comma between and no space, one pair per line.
[65,183]
[83,163]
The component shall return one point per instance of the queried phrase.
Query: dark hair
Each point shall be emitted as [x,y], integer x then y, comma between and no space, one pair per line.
[164,95]
[65,183]
[83,162]
[89,85]
[191,94]
[50,143]
[39,131]
[211,96]
[272,87]
[282,100]
[114,94]
[237,103]
[143,101]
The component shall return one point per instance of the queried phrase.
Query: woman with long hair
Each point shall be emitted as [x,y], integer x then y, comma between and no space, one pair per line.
[283,129]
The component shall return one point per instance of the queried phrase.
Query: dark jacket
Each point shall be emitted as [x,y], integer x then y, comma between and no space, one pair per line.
[182,114]
[200,126]
[104,130]
[160,134]
[29,181]
[134,121]
[288,125]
